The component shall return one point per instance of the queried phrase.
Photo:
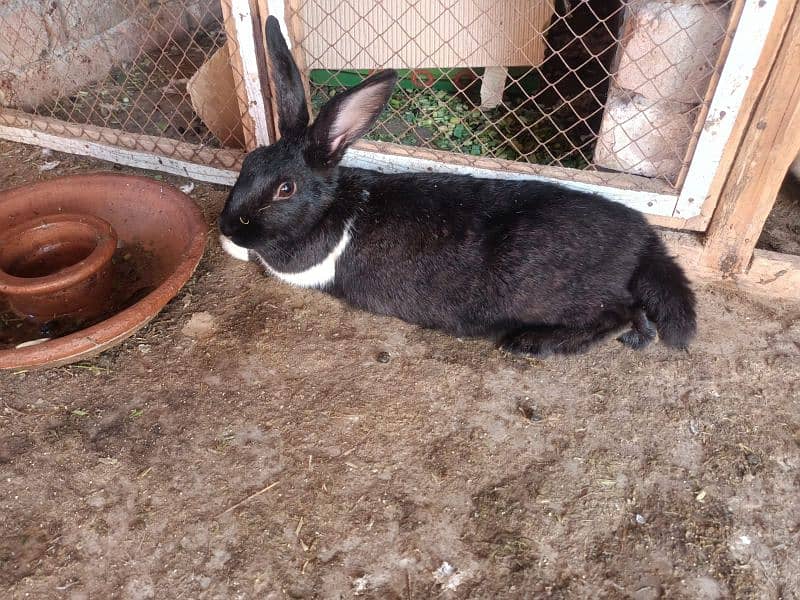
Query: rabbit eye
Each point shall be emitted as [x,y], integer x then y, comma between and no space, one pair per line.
[244,220]
[285,190]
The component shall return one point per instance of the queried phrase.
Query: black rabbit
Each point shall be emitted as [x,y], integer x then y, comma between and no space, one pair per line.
[542,268]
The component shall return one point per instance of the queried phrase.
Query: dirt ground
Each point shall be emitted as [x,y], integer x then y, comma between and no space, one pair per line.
[259,441]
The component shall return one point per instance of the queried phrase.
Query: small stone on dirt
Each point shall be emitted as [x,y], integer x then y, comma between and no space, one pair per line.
[49,166]
[200,325]
[448,576]
[383,357]
[753,460]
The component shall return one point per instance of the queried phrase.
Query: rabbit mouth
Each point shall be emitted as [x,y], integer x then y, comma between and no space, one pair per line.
[236,251]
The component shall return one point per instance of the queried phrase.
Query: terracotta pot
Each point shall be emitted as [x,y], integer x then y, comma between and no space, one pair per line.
[161,228]
[57,266]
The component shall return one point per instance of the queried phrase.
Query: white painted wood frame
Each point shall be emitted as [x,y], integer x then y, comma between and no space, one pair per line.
[244,21]
[122,156]
[748,41]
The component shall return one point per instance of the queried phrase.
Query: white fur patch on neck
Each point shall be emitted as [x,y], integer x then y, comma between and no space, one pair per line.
[320,274]
[234,250]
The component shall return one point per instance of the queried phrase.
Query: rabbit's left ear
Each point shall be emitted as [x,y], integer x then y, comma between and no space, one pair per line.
[348,116]
[292,109]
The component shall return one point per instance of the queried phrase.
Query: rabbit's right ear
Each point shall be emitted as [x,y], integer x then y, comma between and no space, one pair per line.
[292,108]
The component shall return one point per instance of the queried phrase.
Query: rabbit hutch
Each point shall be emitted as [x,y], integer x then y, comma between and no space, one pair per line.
[686,110]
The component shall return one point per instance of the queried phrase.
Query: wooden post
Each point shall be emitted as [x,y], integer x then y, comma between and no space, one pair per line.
[770,143]
[239,27]
[752,53]
[248,128]
[261,11]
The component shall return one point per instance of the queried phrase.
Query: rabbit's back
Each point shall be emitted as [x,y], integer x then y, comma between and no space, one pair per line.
[477,255]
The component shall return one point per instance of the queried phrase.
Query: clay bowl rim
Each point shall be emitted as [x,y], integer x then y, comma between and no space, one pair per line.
[92,341]
[68,276]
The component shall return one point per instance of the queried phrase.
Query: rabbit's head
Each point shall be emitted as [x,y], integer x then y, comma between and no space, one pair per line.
[284,189]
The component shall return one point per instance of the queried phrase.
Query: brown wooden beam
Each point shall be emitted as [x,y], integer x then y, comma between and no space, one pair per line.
[771,141]
[771,274]
[237,70]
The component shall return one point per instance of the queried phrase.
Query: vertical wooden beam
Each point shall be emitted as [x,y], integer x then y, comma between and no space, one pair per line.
[770,143]
[265,9]
[245,20]
[248,126]
[240,28]
[733,24]
[752,53]
[261,12]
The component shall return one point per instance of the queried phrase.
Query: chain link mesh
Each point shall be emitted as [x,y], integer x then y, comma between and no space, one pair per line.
[125,66]
[604,85]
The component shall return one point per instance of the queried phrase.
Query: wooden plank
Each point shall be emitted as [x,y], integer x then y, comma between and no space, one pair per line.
[770,143]
[733,24]
[771,274]
[606,178]
[761,26]
[141,151]
[675,223]
[237,69]
[262,12]
[244,23]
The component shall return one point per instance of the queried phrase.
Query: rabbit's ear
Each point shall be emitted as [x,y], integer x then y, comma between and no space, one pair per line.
[292,109]
[348,116]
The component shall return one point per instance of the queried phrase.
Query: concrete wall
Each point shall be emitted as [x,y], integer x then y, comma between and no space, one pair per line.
[51,48]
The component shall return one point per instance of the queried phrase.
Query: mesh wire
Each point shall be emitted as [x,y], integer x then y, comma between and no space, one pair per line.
[582,100]
[122,65]
[570,94]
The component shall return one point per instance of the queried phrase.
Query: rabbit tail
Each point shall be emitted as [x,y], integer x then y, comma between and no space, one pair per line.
[662,289]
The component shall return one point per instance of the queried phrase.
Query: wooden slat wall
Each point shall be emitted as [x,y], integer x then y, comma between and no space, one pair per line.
[364,34]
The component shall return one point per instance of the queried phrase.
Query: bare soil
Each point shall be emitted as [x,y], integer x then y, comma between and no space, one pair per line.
[259,441]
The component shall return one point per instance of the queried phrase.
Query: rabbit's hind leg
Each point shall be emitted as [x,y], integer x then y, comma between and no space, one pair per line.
[541,341]
[641,333]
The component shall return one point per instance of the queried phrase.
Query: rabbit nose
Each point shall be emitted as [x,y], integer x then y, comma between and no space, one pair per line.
[227,224]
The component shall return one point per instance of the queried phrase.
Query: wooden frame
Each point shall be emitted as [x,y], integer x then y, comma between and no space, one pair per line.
[770,141]
[760,25]
[742,162]
[240,21]
[135,150]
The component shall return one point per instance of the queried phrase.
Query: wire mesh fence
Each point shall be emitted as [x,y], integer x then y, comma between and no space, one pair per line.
[131,67]
[611,85]
[605,85]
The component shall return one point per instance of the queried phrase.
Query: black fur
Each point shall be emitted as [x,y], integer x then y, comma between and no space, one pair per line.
[540,267]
